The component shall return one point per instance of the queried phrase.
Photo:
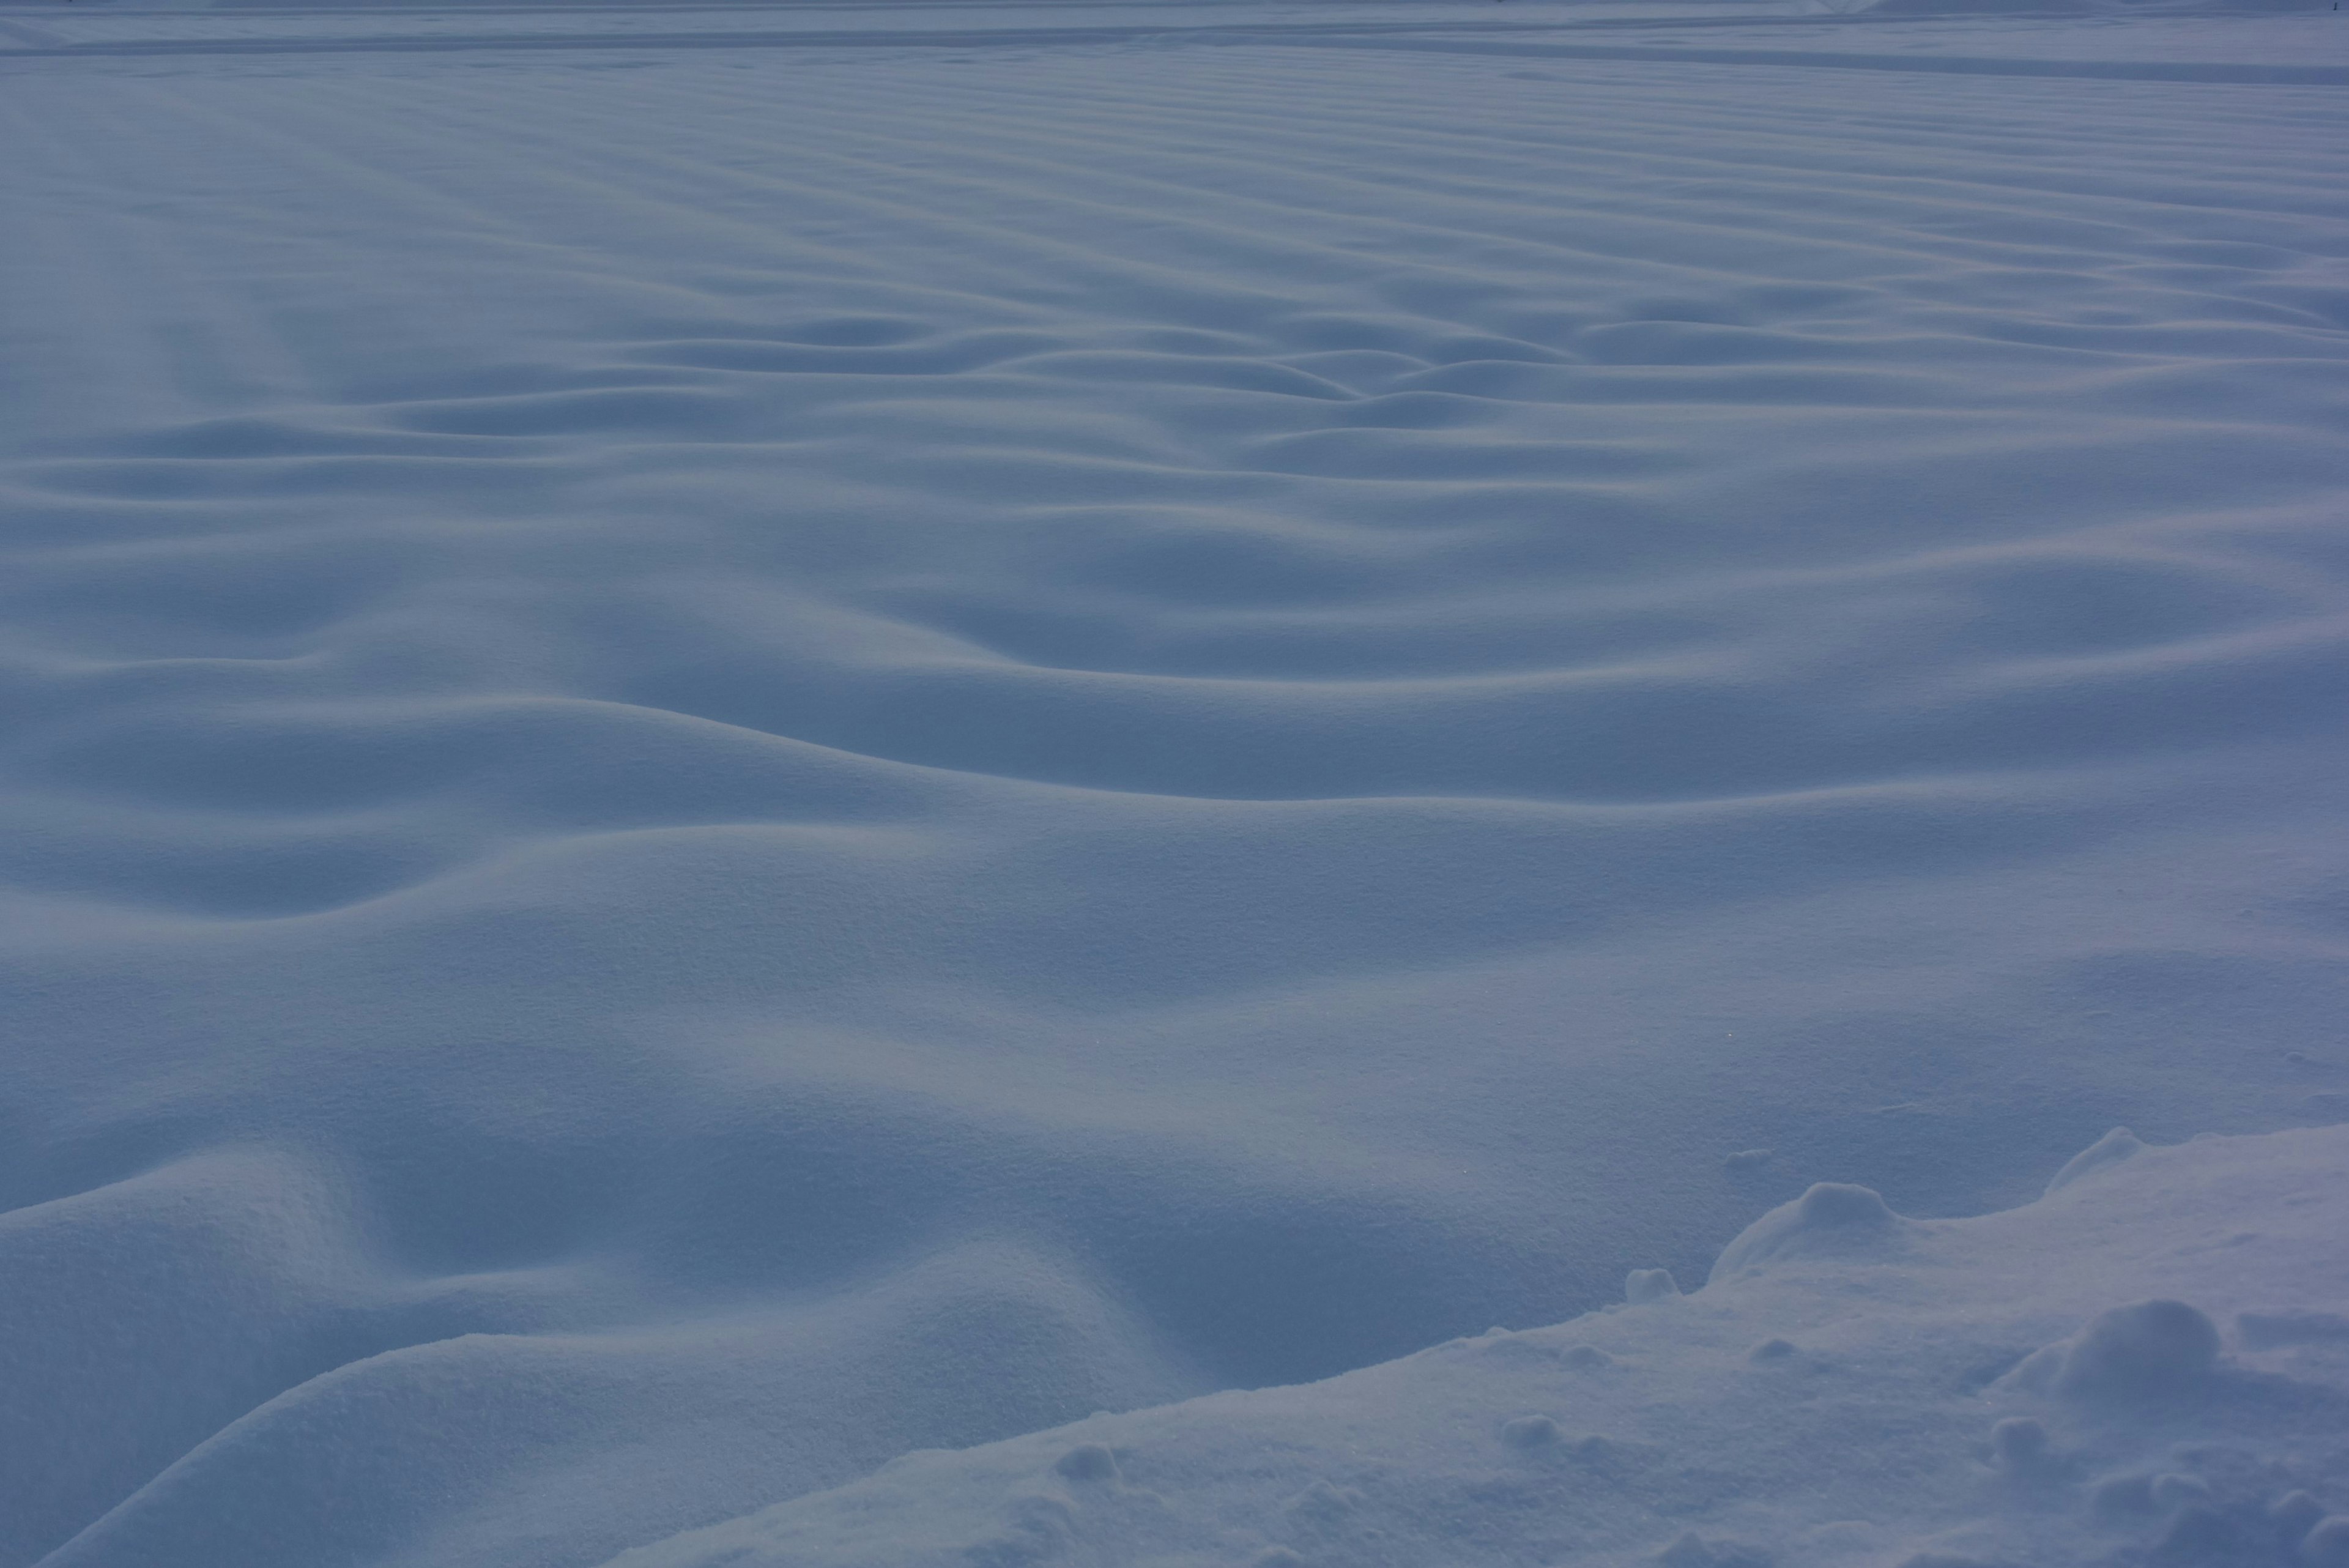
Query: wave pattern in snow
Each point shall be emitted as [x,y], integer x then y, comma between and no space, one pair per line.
[725,761]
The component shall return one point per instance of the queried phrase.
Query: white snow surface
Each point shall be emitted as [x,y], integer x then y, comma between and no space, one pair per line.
[744,738]
[1853,1397]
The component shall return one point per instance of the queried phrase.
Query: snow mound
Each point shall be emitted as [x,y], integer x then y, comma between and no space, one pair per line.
[2145,1350]
[1642,1286]
[1833,1219]
[1689,1454]
[2109,1150]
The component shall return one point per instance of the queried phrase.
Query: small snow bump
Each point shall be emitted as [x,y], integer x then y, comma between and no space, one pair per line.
[1531,1432]
[2115,1146]
[1649,1286]
[1771,1350]
[1087,1462]
[1747,1160]
[1323,1502]
[1839,1205]
[2149,1348]
[1585,1357]
[1832,1216]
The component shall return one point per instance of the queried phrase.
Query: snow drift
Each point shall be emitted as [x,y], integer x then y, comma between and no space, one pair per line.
[1814,1411]
[742,741]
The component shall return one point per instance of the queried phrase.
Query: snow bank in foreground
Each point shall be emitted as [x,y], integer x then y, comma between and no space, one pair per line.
[2149,1364]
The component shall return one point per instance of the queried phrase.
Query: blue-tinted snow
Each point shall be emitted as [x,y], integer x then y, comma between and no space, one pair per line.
[739,740]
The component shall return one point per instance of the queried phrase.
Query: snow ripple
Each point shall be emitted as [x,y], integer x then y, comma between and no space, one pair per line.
[723,767]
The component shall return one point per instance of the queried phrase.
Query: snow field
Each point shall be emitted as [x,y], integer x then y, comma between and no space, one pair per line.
[724,760]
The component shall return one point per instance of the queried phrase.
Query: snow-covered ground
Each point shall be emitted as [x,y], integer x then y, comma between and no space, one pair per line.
[1957,1393]
[744,738]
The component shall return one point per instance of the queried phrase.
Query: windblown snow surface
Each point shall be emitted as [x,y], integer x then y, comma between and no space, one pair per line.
[743,740]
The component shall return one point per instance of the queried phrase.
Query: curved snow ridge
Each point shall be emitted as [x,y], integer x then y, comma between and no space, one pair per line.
[287,809]
[474,1432]
[1845,1391]
[405,860]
